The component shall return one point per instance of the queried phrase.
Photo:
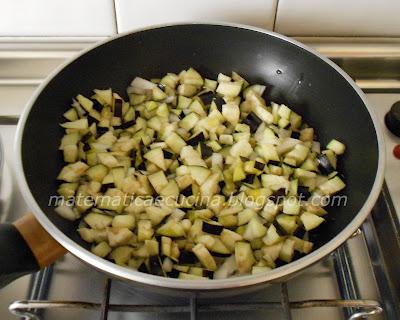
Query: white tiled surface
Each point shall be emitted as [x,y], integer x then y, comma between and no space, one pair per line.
[91,18]
[57,18]
[338,17]
[135,14]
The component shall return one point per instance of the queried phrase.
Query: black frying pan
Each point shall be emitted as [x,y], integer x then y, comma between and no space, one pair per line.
[317,89]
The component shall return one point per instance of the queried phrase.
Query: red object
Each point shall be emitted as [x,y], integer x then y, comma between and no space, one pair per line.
[396,151]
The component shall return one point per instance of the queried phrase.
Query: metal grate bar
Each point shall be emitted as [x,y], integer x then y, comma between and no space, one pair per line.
[344,275]
[382,236]
[285,302]
[39,286]
[105,305]
[193,307]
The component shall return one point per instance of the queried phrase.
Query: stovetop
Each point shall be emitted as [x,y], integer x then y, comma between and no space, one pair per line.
[361,269]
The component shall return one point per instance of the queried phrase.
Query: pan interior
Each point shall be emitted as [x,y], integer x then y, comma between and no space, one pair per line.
[293,75]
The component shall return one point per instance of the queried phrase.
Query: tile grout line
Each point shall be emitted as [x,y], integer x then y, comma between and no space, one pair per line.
[115,16]
[276,15]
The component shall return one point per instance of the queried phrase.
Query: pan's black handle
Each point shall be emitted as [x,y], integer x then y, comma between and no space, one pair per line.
[16,258]
[25,247]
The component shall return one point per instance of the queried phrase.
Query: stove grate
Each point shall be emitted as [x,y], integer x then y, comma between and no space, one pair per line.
[28,309]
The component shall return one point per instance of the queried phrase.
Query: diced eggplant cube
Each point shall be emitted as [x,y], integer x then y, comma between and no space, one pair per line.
[71,115]
[212,228]
[173,274]
[96,105]
[86,147]
[244,257]
[300,232]
[92,120]
[86,137]
[253,121]
[249,178]
[187,257]
[143,268]
[274,162]
[291,206]
[101,130]
[332,186]
[195,140]
[142,166]
[287,222]
[336,146]
[156,156]
[208,273]
[220,255]
[118,108]
[155,266]
[106,186]
[126,125]
[219,101]
[295,135]
[133,154]
[167,154]
[205,150]
[207,97]
[161,86]
[311,221]
[287,251]
[85,103]
[175,142]
[279,229]
[229,89]
[278,195]
[324,165]
[303,193]
[259,165]
[204,257]
[187,192]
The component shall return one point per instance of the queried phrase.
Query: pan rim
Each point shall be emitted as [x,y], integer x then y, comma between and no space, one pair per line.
[230,283]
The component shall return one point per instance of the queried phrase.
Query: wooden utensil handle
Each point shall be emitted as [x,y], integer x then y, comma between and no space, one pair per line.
[43,246]
[25,247]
